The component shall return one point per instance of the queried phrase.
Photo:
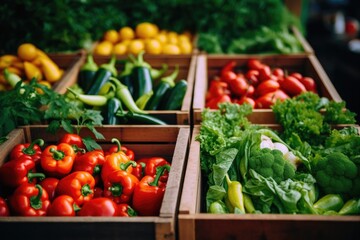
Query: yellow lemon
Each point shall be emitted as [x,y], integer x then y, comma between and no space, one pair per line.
[136,46]
[162,38]
[153,46]
[170,49]
[111,36]
[120,48]
[126,33]
[27,51]
[185,47]
[184,38]
[104,48]
[172,37]
[146,30]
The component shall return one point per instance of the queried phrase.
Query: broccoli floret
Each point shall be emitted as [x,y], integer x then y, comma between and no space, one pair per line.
[271,163]
[336,173]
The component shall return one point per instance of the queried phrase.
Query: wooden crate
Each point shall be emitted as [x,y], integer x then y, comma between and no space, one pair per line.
[195,224]
[71,64]
[208,66]
[170,142]
[186,65]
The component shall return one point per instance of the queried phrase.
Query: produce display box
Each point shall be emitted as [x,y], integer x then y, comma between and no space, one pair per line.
[304,43]
[196,224]
[170,142]
[70,63]
[186,63]
[208,66]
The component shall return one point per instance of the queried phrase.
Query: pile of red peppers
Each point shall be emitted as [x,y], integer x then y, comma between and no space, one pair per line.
[65,179]
[259,85]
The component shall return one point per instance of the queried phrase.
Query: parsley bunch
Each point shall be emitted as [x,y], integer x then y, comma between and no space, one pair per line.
[24,105]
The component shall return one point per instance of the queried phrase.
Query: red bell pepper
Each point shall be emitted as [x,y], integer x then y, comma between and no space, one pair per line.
[139,170]
[119,186]
[79,185]
[98,192]
[4,208]
[29,200]
[72,139]
[125,210]
[32,149]
[90,162]
[22,170]
[116,161]
[153,163]
[63,205]
[58,160]
[99,207]
[149,193]
[128,152]
[50,184]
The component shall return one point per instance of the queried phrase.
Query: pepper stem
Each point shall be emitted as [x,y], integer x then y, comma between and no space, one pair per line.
[86,190]
[124,166]
[131,212]
[32,175]
[57,155]
[159,172]
[115,140]
[35,201]
[116,189]
[30,149]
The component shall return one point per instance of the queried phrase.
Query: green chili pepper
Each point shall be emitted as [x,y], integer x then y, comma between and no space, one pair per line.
[137,118]
[248,204]
[141,77]
[329,202]
[235,194]
[157,73]
[87,73]
[91,100]
[351,207]
[113,105]
[166,83]
[102,75]
[12,78]
[125,76]
[143,100]
[217,207]
[122,92]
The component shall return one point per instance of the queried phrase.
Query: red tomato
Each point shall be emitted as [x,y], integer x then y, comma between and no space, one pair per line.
[213,102]
[281,95]
[246,100]
[309,84]
[239,86]
[252,76]
[254,64]
[279,72]
[264,73]
[297,75]
[266,87]
[292,86]
[250,91]
[228,76]
[265,101]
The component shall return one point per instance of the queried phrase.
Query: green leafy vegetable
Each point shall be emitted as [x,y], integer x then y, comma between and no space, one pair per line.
[301,115]
[23,105]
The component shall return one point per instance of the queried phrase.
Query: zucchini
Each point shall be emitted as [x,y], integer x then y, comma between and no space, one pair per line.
[175,97]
